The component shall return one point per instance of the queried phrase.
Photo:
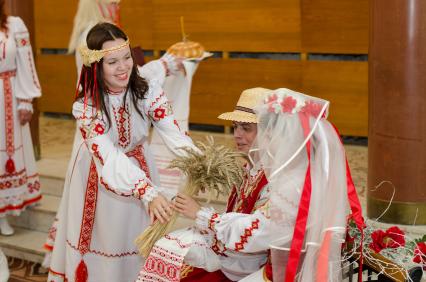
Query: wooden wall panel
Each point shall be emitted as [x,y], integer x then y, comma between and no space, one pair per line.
[58,79]
[224,25]
[335,26]
[54,21]
[137,21]
[218,84]
[345,85]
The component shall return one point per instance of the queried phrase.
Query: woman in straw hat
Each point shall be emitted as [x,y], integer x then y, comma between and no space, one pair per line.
[111,193]
[221,246]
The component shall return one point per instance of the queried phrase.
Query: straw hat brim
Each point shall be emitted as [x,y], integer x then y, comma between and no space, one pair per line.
[239,116]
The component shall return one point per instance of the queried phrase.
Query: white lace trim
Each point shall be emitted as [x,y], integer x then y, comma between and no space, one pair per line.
[203,218]
[25,106]
[150,194]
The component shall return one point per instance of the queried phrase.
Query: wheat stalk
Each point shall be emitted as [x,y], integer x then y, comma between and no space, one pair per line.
[214,169]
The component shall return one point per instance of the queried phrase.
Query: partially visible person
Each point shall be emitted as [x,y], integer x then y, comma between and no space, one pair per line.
[4,269]
[220,246]
[311,188]
[19,181]
[89,13]
[111,191]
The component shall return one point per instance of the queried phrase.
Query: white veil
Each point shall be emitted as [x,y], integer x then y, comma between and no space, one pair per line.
[293,129]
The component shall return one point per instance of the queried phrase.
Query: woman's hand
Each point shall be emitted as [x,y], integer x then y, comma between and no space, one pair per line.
[186,205]
[159,208]
[24,116]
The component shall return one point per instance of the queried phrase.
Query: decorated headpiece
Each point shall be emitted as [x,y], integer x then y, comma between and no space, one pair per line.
[88,82]
[90,56]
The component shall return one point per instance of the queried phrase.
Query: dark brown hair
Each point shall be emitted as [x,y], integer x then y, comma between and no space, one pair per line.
[96,37]
[3,16]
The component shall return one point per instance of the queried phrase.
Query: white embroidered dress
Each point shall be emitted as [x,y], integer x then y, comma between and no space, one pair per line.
[110,178]
[19,182]
[234,242]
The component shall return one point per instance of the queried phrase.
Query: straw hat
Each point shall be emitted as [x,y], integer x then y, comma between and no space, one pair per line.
[244,111]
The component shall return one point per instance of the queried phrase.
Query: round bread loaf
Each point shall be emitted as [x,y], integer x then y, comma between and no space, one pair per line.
[186,49]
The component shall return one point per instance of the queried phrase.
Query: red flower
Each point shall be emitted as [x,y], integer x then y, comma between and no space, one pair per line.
[288,104]
[270,101]
[420,253]
[392,238]
[312,108]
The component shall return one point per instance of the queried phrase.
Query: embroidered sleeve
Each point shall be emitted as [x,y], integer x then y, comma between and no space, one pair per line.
[27,83]
[117,172]
[160,112]
[236,231]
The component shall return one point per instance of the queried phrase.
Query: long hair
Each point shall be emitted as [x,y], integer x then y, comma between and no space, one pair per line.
[3,16]
[91,79]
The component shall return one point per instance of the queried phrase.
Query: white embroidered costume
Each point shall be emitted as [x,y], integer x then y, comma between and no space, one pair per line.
[19,182]
[235,242]
[110,177]
[178,89]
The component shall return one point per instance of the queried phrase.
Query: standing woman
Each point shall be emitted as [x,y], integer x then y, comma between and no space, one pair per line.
[110,194]
[19,183]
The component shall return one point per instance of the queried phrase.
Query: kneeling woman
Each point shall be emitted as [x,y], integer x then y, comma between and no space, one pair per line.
[110,189]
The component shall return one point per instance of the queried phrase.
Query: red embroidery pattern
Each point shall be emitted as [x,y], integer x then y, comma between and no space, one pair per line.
[51,236]
[248,232]
[140,189]
[177,124]
[213,221]
[122,119]
[157,99]
[99,129]
[22,206]
[8,111]
[89,210]
[100,253]
[111,189]
[22,39]
[218,247]
[161,111]
[33,72]
[138,154]
[95,150]
[55,273]
[181,244]
[13,180]
[161,265]
[34,187]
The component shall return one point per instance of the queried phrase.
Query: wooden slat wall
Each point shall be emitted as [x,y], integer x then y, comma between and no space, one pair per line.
[345,85]
[284,26]
[138,22]
[224,25]
[335,26]
[58,78]
[218,84]
[54,20]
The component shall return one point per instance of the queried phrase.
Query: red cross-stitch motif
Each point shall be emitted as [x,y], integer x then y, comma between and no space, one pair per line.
[122,119]
[89,210]
[248,232]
